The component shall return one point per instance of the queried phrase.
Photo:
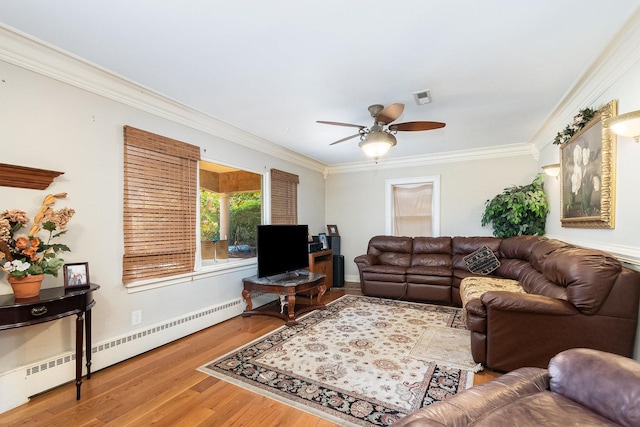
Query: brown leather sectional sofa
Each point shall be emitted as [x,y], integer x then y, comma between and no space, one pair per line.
[581,388]
[575,297]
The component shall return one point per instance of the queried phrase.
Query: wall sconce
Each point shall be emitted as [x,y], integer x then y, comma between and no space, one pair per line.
[627,125]
[552,170]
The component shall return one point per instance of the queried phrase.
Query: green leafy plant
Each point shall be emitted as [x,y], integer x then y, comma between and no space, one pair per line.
[580,120]
[518,210]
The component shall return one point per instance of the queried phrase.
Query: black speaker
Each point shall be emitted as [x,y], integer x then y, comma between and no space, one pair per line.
[334,244]
[338,270]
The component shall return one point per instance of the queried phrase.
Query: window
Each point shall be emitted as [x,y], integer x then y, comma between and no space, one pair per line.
[412,207]
[160,199]
[230,211]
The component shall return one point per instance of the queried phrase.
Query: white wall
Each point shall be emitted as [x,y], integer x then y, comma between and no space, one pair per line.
[356,200]
[615,74]
[48,124]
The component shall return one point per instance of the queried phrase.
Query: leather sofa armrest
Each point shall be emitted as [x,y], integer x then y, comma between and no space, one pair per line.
[365,260]
[527,303]
[472,404]
[606,383]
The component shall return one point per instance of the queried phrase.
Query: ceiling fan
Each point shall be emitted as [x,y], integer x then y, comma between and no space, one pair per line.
[379,138]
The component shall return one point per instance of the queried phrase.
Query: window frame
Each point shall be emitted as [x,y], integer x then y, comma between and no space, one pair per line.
[389,216]
[265,215]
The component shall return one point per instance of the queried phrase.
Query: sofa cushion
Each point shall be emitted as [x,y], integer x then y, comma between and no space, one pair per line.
[434,260]
[482,261]
[381,273]
[427,270]
[605,383]
[463,246]
[542,250]
[587,275]
[511,268]
[391,250]
[536,283]
[475,287]
[432,245]
[543,409]
[519,247]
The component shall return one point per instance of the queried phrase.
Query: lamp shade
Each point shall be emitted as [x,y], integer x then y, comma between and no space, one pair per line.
[377,143]
[627,125]
[552,170]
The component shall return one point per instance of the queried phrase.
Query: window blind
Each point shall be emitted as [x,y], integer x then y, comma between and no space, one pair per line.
[284,197]
[412,210]
[160,201]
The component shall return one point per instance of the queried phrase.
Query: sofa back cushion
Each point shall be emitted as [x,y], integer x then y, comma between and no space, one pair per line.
[587,274]
[542,250]
[605,383]
[463,246]
[391,250]
[432,252]
[511,268]
[536,283]
[519,247]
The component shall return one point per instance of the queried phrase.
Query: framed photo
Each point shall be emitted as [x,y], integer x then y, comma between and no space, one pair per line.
[76,275]
[332,230]
[324,241]
[588,171]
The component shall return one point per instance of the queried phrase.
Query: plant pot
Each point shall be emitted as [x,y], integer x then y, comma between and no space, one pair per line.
[26,287]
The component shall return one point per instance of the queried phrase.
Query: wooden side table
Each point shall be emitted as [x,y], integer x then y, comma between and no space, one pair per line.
[322,262]
[53,304]
[288,289]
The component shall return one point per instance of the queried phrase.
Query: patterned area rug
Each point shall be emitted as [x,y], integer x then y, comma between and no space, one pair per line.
[363,361]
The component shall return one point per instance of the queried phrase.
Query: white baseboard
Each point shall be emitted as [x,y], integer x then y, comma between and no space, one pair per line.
[18,385]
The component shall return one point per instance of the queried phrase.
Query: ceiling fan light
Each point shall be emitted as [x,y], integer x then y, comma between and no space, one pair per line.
[377,143]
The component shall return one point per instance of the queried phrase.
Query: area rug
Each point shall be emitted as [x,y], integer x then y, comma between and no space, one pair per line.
[363,361]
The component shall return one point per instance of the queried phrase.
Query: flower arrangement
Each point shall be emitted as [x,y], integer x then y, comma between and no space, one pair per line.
[27,254]
[579,121]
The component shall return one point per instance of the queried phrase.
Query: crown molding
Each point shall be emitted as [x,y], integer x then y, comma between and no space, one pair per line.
[618,56]
[509,150]
[27,52]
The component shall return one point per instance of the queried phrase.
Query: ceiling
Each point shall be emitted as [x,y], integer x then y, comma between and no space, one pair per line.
[496,69]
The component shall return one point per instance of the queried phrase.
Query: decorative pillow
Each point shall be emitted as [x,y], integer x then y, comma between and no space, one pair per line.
[482,261]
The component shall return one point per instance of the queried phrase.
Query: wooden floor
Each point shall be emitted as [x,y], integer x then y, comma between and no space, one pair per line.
[163,388]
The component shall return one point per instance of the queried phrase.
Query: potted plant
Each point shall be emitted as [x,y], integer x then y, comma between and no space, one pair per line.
[26,258]
[518,210]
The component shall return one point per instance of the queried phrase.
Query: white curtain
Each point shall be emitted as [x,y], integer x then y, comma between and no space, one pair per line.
[412,210]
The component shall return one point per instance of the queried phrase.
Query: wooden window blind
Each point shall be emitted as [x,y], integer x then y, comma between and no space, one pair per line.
[284,197]
[160,201]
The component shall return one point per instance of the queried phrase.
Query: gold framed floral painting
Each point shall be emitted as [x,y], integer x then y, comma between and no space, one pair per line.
[587,171]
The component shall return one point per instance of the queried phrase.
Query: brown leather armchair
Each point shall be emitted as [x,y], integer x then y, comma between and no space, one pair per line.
[581,387]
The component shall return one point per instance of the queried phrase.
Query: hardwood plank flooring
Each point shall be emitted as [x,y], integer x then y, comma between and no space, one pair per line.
[163,388]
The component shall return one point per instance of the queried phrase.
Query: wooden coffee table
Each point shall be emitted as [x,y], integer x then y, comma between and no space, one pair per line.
[287,289]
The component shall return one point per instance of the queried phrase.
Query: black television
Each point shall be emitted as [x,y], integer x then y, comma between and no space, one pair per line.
[282,250]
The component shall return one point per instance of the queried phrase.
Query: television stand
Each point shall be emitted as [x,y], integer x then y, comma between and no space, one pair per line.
[287,288]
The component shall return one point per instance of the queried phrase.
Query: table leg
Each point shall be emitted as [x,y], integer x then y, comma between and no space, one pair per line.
[79,330]
[87,352]
[246,294]
[321,290]
[291,309]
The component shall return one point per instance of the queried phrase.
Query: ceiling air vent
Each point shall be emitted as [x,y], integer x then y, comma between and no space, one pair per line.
[422,97]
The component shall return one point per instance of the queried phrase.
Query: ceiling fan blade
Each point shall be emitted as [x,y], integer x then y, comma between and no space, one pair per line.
[344,139]
[415,126]
[390,113]
[340,124]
